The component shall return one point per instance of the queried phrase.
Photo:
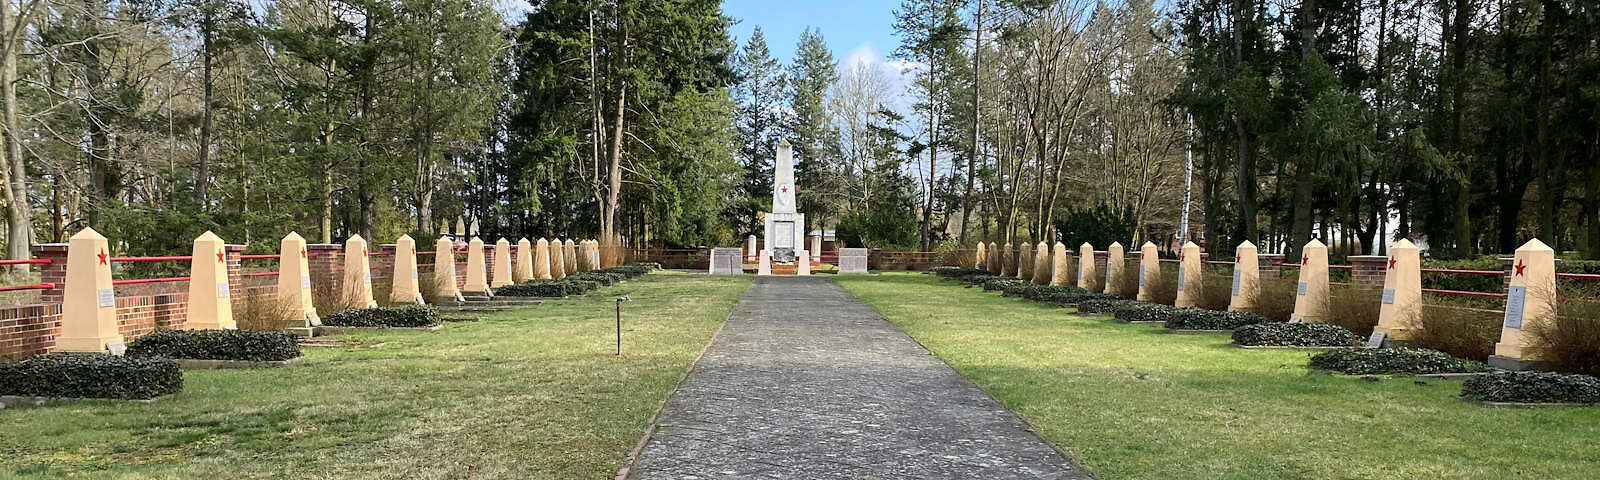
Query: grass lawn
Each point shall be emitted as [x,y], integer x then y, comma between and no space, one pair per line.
[1131,402]
[533,392]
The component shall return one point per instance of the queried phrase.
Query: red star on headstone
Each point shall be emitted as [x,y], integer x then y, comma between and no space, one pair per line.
[219,255]
[1391,262]
[1304,259]
[1520,266]
[302,253]
[102,256]
[784,189]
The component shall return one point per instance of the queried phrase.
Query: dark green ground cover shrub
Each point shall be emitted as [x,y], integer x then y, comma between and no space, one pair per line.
[1532,387]
[1202,319]
[979,279]
[1001,283]
[536,288]
[648,266]
[217,345]
[1040,292]
[602,277]
[1383,361]
[407,317]
[90,375]
[1144,312]
[1105,305]
[1022,288]
[1077,297]
[1294,334]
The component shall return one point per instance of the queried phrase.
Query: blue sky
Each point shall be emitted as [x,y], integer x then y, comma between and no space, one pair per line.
[854,29]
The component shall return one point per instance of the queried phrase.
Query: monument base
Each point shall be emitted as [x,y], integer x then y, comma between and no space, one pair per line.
[1517,364]
[85,344]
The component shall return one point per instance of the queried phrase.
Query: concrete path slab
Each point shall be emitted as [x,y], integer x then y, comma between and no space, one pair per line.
[805,381]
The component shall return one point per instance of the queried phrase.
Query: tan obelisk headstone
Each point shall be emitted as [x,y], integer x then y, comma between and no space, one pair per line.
[1025,261]
[502,264]
[444,269]
[594,252]
[477,270]
[209,306]
[541,259]
[1116,268]
[750,251]
[524,270]
[571,262]
[1311,293]
[1086,275]
[1041,264]
[802,262]
[89,305]
[358,272]
[1008,268]
[1063,266]
[992,258]
[1149,271]
[404,288]
[1401,303]
[1531,300]
[1246,277]
[461,228]
[764,263]
[558,259]
[979,259]
[294,281]
[1189,270]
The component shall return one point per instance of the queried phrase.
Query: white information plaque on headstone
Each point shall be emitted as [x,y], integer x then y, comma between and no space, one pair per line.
[1141,276]
[1180,277]
[1388,296]
[222,289]
[1516,300]
[117,347]
[414,272]
[1235,282]
[1300,289]
[305,281]
[368,277]
[108,297]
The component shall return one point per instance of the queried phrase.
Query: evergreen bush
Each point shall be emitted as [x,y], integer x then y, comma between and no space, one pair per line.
[1202,319]
[1144,312]
[240,345]
[1532,387]
[1294,334]
[406,317]
[1383,361]
[90,375]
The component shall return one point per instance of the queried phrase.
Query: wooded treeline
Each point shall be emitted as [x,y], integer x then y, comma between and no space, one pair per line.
[1004,120]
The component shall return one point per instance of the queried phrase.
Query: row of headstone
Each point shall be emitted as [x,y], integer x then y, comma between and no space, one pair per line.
[88,319]
[1043,264]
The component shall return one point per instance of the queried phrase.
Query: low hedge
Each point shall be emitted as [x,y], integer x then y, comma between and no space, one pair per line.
[240,345]
[1079,297]
[1202,319]
[979,279]
[1387,361]
[1532,387]
[407,317]
[1294,335]
[90,375]
[647,266]
[957,272]
[1002,283]
[1105,305]
[1144,312]
[1040,292]
[537,288]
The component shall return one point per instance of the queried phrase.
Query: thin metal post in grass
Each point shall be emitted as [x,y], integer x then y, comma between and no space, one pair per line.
[620,299]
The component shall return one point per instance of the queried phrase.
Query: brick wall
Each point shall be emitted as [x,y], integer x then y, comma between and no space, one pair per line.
[28,329]
[143,314]
[1368,271]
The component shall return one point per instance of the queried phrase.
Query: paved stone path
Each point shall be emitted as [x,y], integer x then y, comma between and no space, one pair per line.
[807,382]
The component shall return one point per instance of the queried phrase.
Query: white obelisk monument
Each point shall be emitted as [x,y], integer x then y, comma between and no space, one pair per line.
[785,227]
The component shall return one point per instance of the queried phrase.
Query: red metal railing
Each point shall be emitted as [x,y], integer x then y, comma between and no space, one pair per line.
[139,281]
[31,261]
[39,286]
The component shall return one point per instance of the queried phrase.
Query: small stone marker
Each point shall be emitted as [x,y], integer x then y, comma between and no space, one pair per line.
[1376,340]
[1025,262]
[816,245]
[750,251]
[477,272]
[1189,270]
[1311,294]
[1149,270]
[802,261]
[502,263]
[1086,276]
[404,288]
[1402,291]
[89,305]
[558,259]
[1530,302]
[1059,275]
[764,266]
[1246,277]
[541,259]
[294,281]
[572,264]
[524,270]
[358,272]
[1116,268]
[852,260]
[209,306]
[726,261]
[1041,264]
[444,269]
[979,259]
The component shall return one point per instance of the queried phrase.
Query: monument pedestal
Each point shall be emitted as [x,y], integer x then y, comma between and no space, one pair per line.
[765,267]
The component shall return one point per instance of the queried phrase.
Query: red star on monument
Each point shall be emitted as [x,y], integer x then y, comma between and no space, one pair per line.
[1304,259]
[784,189]
[1391,262]
[102,256]
[1520,266]
[302,253]
[219,255]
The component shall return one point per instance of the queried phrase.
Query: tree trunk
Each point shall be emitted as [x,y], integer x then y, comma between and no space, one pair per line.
[19,218]
[202,178]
